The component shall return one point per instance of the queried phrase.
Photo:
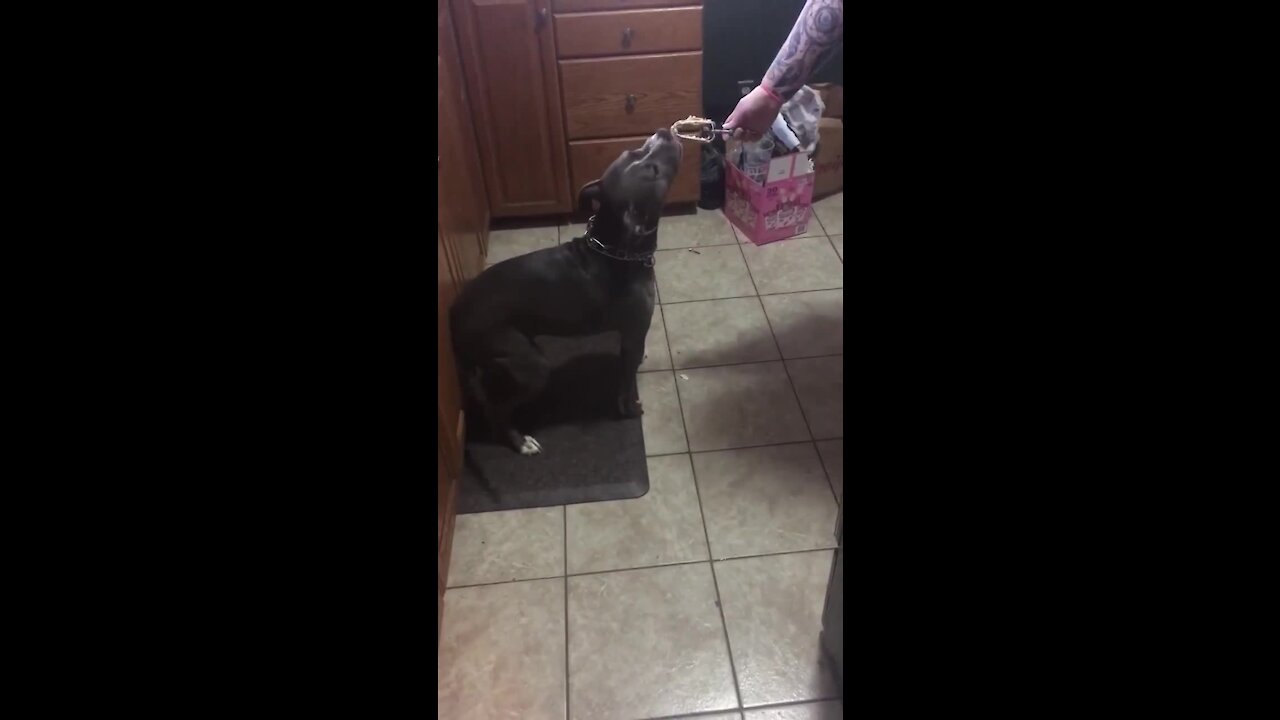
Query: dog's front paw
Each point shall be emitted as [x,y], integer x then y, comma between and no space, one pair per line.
[630,408]
[530,446]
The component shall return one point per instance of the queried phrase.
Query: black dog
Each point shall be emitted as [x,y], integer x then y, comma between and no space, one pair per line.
[600,282]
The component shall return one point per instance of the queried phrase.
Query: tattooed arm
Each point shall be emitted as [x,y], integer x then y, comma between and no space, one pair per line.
[818,32]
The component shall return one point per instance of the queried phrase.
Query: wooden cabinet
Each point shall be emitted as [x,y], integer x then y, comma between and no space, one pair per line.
[450,421]
[630,32]
[609,97]
[508,52]
[580,5]
[625,73]
[462,208]
[444,540]
[462,220]
[547,79]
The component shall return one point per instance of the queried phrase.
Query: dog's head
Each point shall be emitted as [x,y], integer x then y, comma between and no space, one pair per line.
[628,199]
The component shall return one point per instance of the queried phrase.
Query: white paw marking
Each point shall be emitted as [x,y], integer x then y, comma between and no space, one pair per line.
[530,446]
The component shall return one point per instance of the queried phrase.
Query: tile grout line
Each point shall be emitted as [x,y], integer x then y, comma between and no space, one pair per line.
[743,297]
[813,440]
[753,708]
[701,510]
[702,515]
[653,567]
[669,454]
[565,527]
[830,483]
[792,383]
[830,480]
[825,470]
[814,214]
[739,297]
[695,247]
[745,362]
[675,379]
[742,447]
[715,581]
[747,241]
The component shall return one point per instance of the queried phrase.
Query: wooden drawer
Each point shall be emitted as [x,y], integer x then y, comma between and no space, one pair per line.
[580,5]
[630,32]
[615,97]
[508,55]
[588,160]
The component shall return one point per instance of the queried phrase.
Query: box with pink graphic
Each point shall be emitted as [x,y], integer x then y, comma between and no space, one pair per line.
[776,210]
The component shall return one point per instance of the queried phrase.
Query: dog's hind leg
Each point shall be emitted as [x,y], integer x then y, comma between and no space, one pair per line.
[516,374]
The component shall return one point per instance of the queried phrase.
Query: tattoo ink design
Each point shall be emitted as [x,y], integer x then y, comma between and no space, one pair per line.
[813,40]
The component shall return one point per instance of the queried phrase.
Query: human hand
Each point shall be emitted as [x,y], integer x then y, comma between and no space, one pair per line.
[754,114]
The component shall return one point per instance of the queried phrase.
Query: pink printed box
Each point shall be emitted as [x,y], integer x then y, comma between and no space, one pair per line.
[777,210]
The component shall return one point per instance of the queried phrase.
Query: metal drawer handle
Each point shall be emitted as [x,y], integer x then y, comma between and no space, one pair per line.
[631,103]
[626,37]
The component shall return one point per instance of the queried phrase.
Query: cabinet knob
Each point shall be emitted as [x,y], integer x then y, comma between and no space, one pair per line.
[540,20]
[631,103]
[626,37]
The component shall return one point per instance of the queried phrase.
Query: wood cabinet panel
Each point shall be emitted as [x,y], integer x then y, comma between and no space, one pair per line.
[461,227]
[630,32]
[450,425]
[621,96]
[580,5]
[458,150]
[589,159]
[450,420]
[508,55]
[449,471]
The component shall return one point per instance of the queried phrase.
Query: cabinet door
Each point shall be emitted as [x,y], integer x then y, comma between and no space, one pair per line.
[452,427]
[461,205]
[442,562]
[447,469]
[628,32]
[630,95]
[450,419]
[508,53]
[439,608]
[580,5]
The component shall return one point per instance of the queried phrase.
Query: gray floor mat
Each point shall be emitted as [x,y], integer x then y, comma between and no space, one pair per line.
[589,454]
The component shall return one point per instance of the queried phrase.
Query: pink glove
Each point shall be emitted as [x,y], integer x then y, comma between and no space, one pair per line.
[754,114]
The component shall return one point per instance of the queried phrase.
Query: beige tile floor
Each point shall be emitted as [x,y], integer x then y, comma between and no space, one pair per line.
[704,597]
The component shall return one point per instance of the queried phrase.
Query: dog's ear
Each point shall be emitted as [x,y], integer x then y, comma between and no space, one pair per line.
[588,194]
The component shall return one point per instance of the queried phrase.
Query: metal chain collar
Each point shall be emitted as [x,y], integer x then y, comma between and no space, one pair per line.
[644,258]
